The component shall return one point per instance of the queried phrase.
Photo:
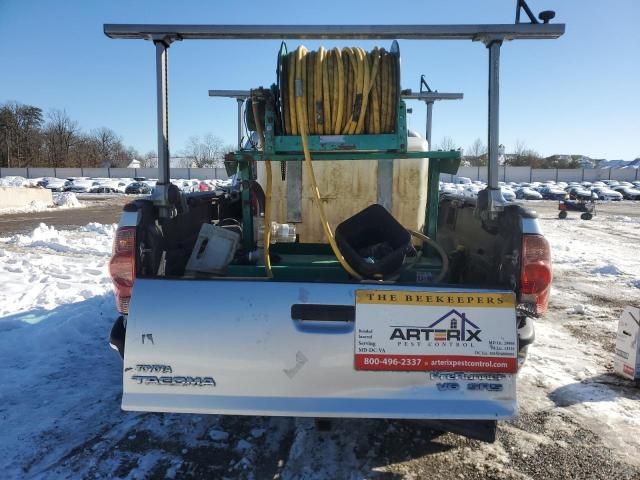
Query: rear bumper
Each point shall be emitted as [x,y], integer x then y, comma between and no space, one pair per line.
[400,408]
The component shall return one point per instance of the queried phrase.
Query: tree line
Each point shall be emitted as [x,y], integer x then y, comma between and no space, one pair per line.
[520,156]
[30,137]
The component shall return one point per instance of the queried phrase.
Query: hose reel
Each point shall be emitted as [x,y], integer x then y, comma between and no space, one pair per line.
[346,91]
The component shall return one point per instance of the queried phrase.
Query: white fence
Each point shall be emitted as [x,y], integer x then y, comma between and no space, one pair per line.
[199,173]
[505,174]
[527,174]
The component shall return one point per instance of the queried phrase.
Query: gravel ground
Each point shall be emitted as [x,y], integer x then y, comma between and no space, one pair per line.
[554,437]
[104,209]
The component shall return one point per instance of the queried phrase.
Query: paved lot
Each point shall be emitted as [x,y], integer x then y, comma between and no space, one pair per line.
[101,209]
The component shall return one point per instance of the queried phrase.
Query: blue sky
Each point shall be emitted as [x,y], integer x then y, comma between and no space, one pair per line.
[578,94]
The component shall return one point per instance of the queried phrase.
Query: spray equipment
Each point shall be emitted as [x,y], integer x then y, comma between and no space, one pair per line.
[330,96]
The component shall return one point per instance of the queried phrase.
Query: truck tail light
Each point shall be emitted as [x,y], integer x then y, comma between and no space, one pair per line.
[122,266]
[536,275]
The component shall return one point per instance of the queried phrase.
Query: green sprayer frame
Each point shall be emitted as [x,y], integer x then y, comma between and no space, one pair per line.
[392,146]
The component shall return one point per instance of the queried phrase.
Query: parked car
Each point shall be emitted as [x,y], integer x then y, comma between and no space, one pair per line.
[103,189]
[553,193]
[527,193]
[58,185]
[628,193]
[138,188]
[507,194]
[43,182]
[605,193]
[578,193]
[462,180]
[82,186]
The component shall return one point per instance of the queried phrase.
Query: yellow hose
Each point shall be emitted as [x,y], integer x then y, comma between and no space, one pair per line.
[445,259]
[267,202]
[307,158]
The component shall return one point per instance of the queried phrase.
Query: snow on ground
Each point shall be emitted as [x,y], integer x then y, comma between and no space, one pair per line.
[596,273]
[60,384]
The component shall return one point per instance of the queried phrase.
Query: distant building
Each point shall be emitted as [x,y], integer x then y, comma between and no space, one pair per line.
[135,164]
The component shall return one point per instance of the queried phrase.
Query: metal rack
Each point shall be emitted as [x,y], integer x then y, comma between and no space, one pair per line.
[492,35]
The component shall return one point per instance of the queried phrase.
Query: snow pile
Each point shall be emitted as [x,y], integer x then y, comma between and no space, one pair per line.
[34,206]
[60,200]
[13,181]
[51,267]
[66,200]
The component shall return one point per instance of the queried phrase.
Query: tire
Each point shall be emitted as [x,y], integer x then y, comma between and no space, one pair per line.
[586,216]
[562,215]
[522,356]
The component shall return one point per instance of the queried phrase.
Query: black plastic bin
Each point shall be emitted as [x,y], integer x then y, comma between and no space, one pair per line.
[373,242]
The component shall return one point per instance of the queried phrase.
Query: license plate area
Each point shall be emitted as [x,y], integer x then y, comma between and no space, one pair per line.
[454,331]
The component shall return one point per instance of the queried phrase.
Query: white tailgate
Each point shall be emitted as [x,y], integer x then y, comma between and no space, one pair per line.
[233,347]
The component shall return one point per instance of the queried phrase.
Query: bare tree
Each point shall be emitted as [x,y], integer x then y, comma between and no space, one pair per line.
[206,152]
[477,148]
[149,159]
[446,144]
[523,156]
[60,133]
[476,154]
[85,152]
[109,145]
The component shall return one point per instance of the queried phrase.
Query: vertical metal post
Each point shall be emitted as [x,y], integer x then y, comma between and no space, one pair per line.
[494,113]
[161,197]
[429,123]
[240,102]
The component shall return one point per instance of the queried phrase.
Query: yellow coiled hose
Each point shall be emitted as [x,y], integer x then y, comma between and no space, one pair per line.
[344,91]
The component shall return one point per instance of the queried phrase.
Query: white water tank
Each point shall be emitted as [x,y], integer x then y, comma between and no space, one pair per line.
[348,186]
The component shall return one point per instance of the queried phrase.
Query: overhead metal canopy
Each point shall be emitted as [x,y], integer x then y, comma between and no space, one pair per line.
[492,35]
[327,32]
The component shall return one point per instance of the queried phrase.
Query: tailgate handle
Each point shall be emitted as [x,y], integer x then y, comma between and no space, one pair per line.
[323,319]
[323,313]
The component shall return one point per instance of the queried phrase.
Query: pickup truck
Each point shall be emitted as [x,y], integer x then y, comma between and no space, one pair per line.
[295,331]
[237,345]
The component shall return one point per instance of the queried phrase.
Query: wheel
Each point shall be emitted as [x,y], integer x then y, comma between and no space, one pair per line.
[586,216]
[562,214]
